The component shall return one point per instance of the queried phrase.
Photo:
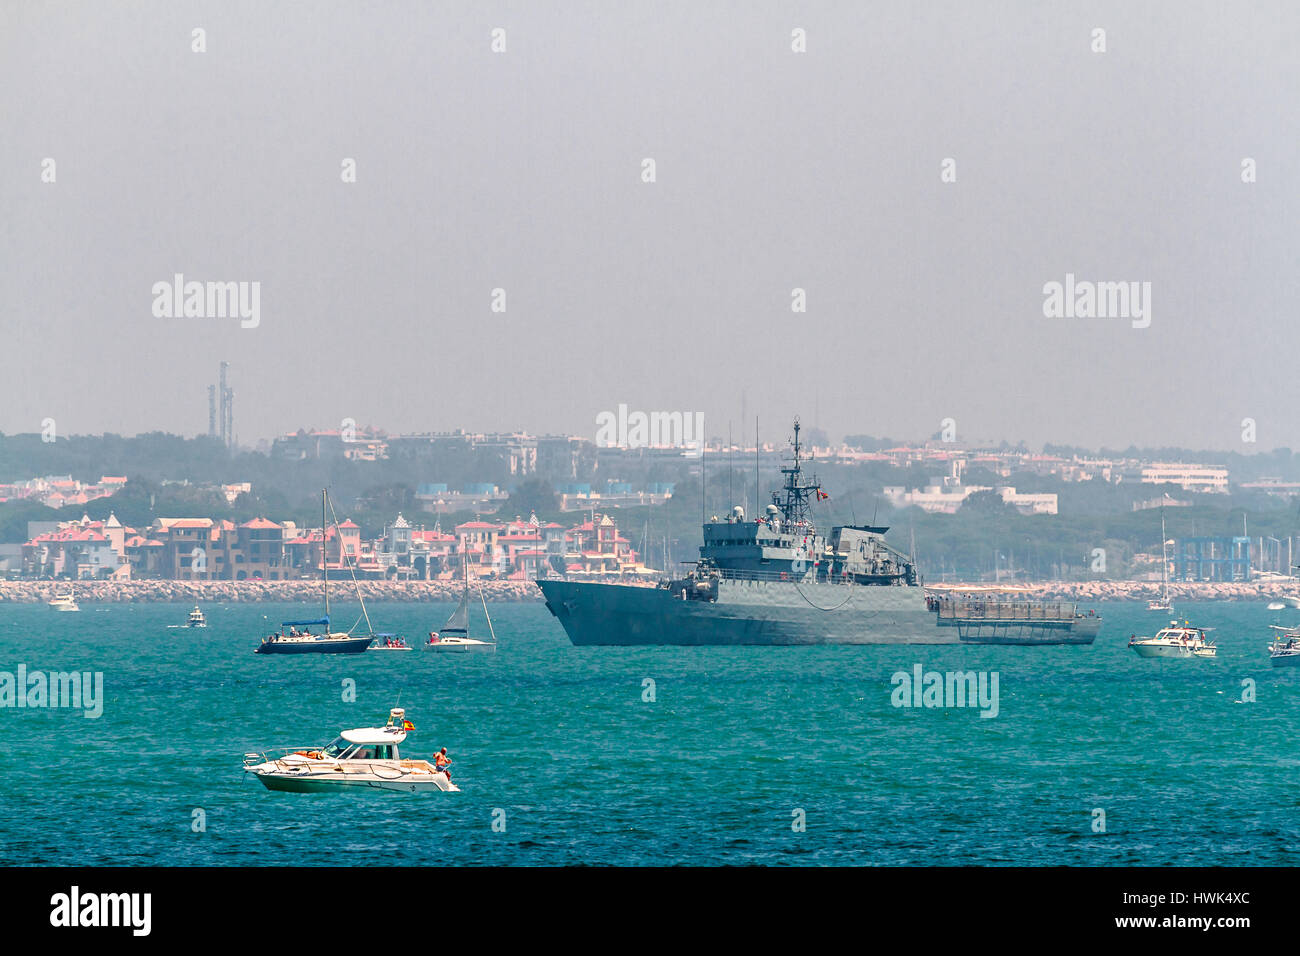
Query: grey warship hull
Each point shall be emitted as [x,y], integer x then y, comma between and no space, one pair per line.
[785,613]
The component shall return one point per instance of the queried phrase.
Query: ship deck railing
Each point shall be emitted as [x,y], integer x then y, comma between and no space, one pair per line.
[730,574]
[1007,610]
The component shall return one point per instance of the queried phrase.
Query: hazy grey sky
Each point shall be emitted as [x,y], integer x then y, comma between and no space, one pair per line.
[775,170]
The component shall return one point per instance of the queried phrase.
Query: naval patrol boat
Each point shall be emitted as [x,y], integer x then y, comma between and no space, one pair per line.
[776,580]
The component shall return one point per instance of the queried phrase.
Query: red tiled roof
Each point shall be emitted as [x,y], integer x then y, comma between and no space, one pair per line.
[259,523]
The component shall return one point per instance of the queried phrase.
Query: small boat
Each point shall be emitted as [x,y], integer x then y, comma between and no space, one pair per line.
[1285,649]
[64,602]
[454,637]
[307,641]
[196,618]
[390,642]
[366,758]
[1175,641]
[299,638]
[1163,604]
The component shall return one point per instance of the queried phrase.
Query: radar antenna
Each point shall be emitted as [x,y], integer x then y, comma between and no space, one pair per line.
[793,499]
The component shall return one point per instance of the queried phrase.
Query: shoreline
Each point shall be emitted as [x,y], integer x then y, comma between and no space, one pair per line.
[252,592]
[1142,591]
[200,592]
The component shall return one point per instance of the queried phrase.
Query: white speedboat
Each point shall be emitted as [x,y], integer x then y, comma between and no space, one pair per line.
[196,618]
[366,758]
[1176,641]
[64,602]
[1285,649]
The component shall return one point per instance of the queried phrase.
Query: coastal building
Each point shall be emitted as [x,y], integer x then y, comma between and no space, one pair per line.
[361,443]
[1203,478]
[580,496]
[59,491]
[596,548]
[409,553]
[946,495]
[217,549]
[257,551]
[1273,486]
[1029,503]
[82,550]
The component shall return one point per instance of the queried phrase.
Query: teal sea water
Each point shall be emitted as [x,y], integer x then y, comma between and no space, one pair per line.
[711,771]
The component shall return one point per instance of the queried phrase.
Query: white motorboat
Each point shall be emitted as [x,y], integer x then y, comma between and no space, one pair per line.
[1175,641]
[1285,649]
[389,642]
[366,758]
[196,618]
[64,602]
[454,637]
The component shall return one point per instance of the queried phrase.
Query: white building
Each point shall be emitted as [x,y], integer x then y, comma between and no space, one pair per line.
[1188,477]
[946,499]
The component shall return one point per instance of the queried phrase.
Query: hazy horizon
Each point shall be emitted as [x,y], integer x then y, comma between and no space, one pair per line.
[775,170]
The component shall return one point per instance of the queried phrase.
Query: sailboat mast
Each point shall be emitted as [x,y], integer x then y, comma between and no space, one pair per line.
[1164,559]
[491,629]
[324,557]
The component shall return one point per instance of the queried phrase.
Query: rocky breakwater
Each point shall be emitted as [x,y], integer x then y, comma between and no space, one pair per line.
[1086,592]
[228,592]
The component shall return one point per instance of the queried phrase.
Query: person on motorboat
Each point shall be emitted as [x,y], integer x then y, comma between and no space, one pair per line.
[442,762]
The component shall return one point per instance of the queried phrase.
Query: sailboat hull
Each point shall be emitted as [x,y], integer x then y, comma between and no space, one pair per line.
[348,645]
[459,646]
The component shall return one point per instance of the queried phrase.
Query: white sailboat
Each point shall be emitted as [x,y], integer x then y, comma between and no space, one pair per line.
[454,636]
[1163,604]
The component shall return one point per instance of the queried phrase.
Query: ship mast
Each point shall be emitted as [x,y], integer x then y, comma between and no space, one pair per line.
[793,499]
[324,558]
